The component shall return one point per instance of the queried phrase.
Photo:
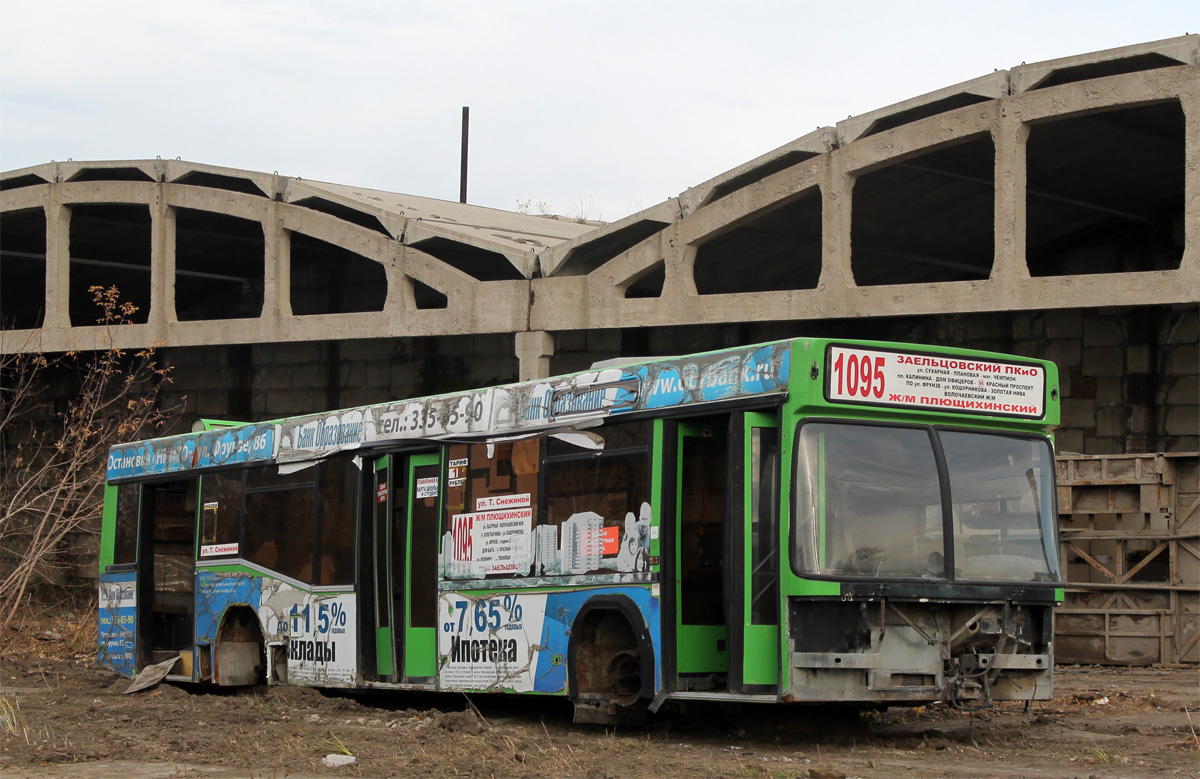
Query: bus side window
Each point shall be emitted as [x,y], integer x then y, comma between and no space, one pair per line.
[220,523]
[125,543]
[595,514]
[280,519]
[335,526]
[480,472]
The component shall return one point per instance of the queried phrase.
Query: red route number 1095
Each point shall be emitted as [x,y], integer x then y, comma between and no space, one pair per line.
[857,374]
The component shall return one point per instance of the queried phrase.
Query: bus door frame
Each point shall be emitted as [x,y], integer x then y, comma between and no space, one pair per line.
[420,641]
[754,663]
[145,565]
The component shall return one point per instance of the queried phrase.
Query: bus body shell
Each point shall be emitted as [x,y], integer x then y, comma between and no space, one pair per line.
[813,520]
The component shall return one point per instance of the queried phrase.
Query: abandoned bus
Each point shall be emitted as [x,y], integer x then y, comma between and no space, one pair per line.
[810,520]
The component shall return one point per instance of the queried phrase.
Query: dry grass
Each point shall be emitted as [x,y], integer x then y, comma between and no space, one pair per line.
[12,722]
[64,630]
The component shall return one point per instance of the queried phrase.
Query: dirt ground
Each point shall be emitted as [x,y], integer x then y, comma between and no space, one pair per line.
[63,716]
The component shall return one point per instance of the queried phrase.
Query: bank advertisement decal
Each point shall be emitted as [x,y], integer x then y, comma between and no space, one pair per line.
[937,382]
[519,641]
[318,630]
[715,377]
[489,643]
[118,615]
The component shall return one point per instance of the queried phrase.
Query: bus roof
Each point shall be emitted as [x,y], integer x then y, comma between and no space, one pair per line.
[744,373]
[752,371]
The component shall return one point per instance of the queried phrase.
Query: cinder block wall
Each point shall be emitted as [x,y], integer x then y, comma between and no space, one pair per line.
[271,381]
[1129,376]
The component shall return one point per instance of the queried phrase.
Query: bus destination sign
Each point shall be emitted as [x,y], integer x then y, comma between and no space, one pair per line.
[934,381]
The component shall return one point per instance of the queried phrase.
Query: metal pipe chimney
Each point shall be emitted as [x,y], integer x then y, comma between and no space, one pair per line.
[462,176]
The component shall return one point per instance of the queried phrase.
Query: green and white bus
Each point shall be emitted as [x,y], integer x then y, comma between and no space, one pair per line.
[811,520]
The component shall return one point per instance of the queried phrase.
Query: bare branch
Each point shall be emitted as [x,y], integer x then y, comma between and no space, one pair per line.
[53,452]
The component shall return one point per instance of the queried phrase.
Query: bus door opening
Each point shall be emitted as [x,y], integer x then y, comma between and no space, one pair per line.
[166,571]
[423,496]
[701,640]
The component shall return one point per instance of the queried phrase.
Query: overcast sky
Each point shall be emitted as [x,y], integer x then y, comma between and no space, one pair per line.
[596,109]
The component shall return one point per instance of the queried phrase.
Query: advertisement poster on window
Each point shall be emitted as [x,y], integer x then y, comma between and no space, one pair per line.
[491,542]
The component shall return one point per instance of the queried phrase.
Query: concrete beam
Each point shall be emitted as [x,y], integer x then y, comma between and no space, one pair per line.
[1185,50]
[989,87]
[821,141]
[534,350]
[700,215]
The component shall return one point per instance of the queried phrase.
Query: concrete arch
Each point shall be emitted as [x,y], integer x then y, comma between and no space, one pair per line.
[1002,108]
[476,288]
[412,275]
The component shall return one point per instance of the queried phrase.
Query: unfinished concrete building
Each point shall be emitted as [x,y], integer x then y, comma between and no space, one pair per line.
[1050,210]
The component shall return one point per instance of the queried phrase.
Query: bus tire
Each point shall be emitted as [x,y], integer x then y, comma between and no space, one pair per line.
[610,662]
[240,656]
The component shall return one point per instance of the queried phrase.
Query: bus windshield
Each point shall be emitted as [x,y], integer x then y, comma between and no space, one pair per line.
[869,503]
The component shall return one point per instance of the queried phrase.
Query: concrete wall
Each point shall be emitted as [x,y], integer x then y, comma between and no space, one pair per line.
[1129,375]
[275,380]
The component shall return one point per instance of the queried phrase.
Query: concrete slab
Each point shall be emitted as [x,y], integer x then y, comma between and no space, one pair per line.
[989,87]
[819,141]
[1184,50]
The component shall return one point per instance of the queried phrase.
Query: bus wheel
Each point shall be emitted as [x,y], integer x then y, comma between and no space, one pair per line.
[611,670]
[240,655]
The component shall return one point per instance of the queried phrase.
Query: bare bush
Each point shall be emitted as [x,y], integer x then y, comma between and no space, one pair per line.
[53,453]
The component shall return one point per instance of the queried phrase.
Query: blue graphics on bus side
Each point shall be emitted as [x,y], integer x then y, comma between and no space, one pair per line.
[592,394]
[714,377]
[518,641]
[561,610]
[118,616]
[216,592]
[225,446]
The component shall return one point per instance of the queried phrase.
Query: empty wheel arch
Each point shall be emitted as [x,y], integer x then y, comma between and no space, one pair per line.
[240,656]
[610,661]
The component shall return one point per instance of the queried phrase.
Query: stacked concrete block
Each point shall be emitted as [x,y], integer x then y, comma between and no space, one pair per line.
[1128,377]
[1179,387]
